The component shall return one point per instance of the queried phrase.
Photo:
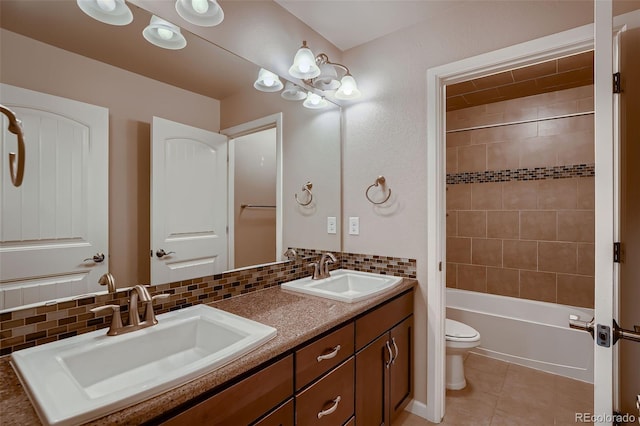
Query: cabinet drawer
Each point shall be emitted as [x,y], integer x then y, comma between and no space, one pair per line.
[317,405]
[382,319]
[322,355]
[283,416]
[245,401]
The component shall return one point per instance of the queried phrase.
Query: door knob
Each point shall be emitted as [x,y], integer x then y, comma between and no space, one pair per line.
[161,253]
[97,258]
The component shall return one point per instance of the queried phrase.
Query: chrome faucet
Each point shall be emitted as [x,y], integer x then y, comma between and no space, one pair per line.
[108,280]
[137,293]
[321,268]
[291,254]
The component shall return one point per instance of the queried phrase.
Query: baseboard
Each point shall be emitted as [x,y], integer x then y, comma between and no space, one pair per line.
[419,409]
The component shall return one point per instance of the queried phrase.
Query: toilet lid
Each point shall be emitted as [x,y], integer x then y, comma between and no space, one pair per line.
[458,330]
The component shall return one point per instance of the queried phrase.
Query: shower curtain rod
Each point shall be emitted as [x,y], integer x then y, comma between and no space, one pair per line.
[511,123]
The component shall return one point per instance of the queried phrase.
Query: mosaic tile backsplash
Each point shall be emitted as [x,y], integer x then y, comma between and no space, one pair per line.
[29,327]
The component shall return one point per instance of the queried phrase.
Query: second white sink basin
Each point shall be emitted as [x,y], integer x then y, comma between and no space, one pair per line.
[79,379]
[345,285]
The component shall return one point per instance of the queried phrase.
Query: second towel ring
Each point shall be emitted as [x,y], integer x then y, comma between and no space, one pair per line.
[306,188]
[379,182]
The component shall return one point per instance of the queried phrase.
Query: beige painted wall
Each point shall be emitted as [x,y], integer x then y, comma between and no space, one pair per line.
[132,101]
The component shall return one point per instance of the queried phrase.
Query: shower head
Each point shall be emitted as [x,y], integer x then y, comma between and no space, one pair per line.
[16,161]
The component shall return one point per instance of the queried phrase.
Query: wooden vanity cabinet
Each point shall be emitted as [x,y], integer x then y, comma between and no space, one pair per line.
[384,362]
[366,363]
[246,401]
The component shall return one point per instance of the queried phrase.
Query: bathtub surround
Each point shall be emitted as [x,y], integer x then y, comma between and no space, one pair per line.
[34,326]
[520,198]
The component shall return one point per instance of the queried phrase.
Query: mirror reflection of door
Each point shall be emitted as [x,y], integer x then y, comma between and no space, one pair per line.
[254,192]
[54,228]
[188,202]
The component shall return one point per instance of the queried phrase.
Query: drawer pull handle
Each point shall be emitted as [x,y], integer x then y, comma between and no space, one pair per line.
[393,340]
[388,363]
[331,409]
[330,355]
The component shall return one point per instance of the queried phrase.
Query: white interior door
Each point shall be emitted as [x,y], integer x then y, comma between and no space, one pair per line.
[59,216]
[188,202]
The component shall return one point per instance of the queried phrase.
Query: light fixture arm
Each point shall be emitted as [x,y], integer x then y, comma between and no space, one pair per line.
[322,59]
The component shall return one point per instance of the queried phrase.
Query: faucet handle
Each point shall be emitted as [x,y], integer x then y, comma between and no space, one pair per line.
[149,314]
[316,269]
[116,320]
[160,296]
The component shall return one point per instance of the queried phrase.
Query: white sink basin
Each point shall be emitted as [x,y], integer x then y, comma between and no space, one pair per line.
[345,285]
[82,378]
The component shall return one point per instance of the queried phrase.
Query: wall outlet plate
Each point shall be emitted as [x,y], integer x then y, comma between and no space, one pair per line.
[354,226]
[332,225]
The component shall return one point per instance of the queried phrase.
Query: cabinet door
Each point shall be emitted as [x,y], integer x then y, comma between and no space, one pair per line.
[243,402]
[283,416]
[372,390]
[401,369]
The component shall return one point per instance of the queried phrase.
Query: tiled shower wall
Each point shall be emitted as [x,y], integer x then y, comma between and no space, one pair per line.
[520,198]
[24,328]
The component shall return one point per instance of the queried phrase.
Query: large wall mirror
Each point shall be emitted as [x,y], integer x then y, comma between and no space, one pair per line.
[53,48]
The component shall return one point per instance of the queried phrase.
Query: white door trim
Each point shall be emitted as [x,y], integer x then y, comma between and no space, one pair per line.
[241,130]
[561,44]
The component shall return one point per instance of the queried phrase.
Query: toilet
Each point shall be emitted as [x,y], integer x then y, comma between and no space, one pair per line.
[460,339]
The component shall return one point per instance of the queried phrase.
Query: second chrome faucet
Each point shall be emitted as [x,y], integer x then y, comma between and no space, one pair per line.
[321,268]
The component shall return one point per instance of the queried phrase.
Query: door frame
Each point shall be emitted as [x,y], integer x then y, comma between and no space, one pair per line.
[264,123]
[560,44]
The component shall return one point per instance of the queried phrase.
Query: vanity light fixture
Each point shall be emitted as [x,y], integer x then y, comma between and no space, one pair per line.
[113,12]
[206,13]
[292,92]
[322,74]
[268,81]
[314,101]
[348,88]
[164,34]
[304,64]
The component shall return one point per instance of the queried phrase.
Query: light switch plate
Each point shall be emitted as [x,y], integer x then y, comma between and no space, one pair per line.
[332,225]
[354,226]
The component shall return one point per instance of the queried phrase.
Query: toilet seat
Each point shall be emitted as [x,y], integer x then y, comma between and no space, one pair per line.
[457,331]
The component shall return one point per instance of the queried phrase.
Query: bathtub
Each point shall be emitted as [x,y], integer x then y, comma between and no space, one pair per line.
[530,333]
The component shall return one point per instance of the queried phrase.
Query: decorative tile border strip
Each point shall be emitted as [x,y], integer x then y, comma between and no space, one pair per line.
[29,327]
[538,173]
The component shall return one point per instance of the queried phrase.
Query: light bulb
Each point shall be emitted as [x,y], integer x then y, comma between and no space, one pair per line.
[107,5]
[200,6]
[314,99]
[348,88]
[304,66]
[268,81]
[165,34]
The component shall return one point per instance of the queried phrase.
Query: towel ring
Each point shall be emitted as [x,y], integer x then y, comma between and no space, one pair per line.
[379,182]
[16,160]
[306,188]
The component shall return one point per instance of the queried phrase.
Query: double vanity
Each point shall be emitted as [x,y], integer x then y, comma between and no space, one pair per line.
[335,350]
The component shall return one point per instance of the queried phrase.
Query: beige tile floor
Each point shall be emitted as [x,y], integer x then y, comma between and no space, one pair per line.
[500,393]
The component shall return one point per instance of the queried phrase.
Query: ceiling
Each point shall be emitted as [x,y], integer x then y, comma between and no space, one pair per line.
[350,23]
[557,74]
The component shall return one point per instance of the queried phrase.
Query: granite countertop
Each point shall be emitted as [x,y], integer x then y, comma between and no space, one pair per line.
[297,318]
